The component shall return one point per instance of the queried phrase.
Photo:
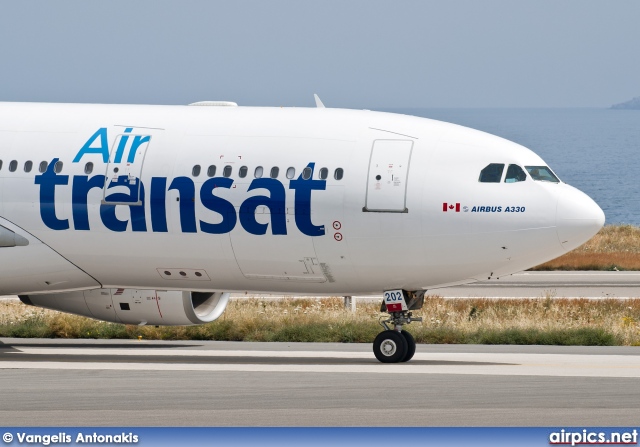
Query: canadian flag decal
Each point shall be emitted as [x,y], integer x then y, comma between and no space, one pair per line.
[451,207]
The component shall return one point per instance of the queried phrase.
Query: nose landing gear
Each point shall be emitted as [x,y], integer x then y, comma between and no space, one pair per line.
[394,344]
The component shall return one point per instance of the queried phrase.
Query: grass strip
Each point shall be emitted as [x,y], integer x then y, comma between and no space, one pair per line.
[542,321]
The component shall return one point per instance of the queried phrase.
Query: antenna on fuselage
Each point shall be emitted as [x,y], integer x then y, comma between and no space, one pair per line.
[318,102]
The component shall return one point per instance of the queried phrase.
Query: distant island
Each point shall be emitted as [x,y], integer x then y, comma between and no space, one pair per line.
[633,104]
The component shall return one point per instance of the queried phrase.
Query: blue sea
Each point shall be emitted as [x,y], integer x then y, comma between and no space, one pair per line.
[595,150]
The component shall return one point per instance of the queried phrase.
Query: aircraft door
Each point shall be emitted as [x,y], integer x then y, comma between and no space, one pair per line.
[387,178]
[124,170]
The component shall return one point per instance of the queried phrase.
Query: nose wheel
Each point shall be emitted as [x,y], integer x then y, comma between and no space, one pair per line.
[411,346]
[390,347]
[394,344]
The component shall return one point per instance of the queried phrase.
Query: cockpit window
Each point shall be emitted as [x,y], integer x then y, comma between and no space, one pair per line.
[492,173]
[515,174]
[542,173]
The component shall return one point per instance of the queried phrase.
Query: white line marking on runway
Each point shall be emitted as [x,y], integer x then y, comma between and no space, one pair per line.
[172,352]
[460,363]
[499,370]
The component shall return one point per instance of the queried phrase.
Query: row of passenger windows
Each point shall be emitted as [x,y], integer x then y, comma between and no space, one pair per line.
[28,166]
[493,174]
[211,170]
[258,172]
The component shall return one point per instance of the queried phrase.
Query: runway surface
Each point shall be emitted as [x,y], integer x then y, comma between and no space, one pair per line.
[149,383]
[556,284]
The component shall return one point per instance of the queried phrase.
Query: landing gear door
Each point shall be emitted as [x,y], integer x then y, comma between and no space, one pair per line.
[124,170]
[387,179]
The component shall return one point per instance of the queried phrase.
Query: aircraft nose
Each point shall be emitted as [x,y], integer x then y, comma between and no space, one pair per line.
[578,217]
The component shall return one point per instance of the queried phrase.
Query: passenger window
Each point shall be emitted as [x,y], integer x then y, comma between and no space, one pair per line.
[195,171]
[540,173]
[338,174]
[43,166]
[274,172]
[291,173]
[28,165]
[306,173]
[226,172]
[88,168]
[57,167]
[492,173]
[13,166]
[211,171]
[515,174]
[324,173]
[242,173]
[258,172]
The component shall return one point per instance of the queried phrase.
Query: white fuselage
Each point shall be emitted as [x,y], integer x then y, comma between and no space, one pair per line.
[129,207]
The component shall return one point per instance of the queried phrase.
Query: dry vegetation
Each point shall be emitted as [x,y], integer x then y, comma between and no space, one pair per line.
[615,247]
[534,321]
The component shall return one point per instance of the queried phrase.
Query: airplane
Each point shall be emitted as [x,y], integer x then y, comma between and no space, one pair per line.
[147,214]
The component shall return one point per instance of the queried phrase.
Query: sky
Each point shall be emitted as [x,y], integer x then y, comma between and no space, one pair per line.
[352,53]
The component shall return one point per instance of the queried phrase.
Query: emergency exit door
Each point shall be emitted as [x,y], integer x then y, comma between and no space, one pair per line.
[387,179]
[124,170]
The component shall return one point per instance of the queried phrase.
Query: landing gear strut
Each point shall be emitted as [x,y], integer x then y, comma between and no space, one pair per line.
[394,344]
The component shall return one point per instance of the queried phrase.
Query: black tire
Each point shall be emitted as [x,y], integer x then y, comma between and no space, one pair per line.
[411,346]
[390,347]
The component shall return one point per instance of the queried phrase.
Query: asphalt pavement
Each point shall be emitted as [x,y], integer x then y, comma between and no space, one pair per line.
[556,284]
[158,383]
